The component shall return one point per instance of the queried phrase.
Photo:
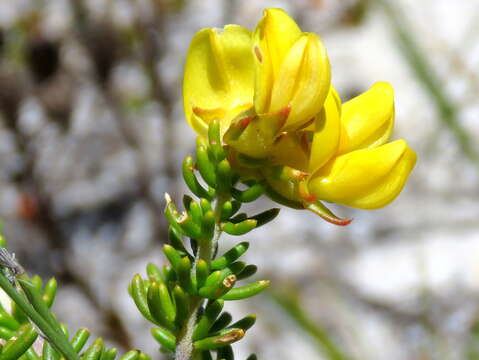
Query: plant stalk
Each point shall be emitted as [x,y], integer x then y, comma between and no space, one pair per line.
[184,348]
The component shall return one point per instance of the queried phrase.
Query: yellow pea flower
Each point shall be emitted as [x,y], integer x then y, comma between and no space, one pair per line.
[349,162]
[376,172]
[271,92]
[366,178]
[262,84]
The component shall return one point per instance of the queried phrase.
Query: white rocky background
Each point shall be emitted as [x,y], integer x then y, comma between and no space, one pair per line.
[88,147]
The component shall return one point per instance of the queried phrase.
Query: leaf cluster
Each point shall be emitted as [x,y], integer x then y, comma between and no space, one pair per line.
[198,281]
[30,331]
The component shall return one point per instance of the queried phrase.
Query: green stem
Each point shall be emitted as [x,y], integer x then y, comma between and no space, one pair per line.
[222,198]
[205,251]
[292,307]
[57,339]
[184,348]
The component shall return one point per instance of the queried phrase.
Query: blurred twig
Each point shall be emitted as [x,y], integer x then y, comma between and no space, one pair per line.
[292,307]
[424,71]
[472,346]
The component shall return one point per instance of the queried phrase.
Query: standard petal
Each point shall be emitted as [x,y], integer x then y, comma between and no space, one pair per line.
[303,81]
[272,39]
[368,118]
[327,132]
[368,178]
[219,73]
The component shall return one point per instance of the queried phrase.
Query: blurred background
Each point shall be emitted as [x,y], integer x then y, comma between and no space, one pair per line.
[92,134]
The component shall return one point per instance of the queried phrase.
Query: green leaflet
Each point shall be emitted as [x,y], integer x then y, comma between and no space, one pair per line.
[247,291]
[165,338]
[230,256]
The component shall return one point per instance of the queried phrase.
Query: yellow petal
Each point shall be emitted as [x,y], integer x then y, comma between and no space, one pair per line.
[219,73]
[272,39]
[368,178]
[327,131]
[303,81]
[368,118]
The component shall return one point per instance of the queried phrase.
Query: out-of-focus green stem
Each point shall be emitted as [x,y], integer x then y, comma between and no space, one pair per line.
[58,340]
[428,77]
[292,307]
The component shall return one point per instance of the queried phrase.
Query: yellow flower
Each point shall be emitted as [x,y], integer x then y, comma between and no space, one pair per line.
[271,92]
[347,160]
[272,81]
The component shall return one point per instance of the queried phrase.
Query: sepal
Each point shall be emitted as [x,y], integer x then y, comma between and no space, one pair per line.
[320,209]
[254,135]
